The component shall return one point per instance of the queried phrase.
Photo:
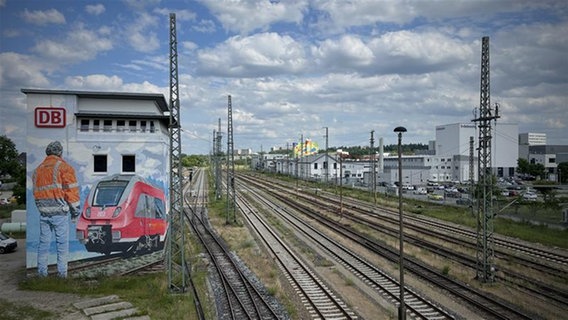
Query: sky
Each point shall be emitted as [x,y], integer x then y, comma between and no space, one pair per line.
[294,67]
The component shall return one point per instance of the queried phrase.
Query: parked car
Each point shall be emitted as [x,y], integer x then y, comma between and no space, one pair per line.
[7,244]
[464,202]
[435,196]
[420,190]
[530,196]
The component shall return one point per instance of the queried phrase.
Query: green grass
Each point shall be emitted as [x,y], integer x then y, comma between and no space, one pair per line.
[19,311]
[145,292]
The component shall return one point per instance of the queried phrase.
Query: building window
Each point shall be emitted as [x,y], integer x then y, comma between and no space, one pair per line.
[315,166]
[100,163]
[152,128]
[325,164]
[120,125]
[84,125]
[107,125]
[132,125]
[335,165]
[143,126]
[96,125]
[128,163]
[551,160]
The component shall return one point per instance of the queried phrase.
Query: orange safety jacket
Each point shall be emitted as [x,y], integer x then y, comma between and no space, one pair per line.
[56,191]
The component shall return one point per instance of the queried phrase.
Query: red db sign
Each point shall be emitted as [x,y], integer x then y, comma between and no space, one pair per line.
[49,117]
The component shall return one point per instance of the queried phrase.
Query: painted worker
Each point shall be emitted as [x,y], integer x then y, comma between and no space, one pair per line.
[56,195]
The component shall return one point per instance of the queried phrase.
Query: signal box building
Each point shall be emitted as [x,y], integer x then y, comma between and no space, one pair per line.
[104,135]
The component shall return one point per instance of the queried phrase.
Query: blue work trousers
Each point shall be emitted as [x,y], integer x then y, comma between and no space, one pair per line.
[59,225]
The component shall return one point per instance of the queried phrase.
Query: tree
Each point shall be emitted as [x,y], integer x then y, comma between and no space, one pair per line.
[523,166]
[8,157]
[9,165]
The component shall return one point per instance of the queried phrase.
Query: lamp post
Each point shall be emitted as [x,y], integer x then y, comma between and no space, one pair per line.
[401,308]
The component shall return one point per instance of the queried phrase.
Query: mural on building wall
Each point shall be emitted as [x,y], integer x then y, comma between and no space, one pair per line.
[77,210]
[309,147]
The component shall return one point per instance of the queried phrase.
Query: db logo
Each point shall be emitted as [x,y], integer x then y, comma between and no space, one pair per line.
[49,117]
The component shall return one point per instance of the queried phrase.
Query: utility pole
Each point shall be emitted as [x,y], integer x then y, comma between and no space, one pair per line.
[218,163]
[231,196]
[326,172]
[373,176]
[485,228]
[177,282]
[471,173]
[302,156]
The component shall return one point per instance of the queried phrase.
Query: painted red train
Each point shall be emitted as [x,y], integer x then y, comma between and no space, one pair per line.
[123,213]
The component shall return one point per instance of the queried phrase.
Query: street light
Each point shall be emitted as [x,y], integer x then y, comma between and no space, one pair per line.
[401,308]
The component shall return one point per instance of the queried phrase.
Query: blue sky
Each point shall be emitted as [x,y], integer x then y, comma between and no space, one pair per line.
[294,67]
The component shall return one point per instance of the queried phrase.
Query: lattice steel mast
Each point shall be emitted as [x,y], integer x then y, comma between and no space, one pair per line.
[485,228]
[218,155]
[231,196]
[177,281]
[373,177]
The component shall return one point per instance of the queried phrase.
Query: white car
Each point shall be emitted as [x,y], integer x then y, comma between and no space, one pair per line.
[7,244]
[530,196]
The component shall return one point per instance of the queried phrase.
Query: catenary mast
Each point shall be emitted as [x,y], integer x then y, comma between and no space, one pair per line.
[177,281]
[485,229]
[231,197]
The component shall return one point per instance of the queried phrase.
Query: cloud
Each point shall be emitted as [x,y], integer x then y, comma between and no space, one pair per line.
[258,55]
[139,34]
[95,9]
[42,18]
[94,82]
[78,45]
[246,16]
[19,70]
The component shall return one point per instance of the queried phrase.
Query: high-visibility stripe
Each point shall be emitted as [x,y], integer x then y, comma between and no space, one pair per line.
[55,187]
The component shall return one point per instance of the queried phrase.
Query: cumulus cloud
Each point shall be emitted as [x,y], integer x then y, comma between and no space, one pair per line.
[139,34]
[247,16]
[79,44]
[95,9]
[42,18]
[257,55]
[94,82]
[18,70]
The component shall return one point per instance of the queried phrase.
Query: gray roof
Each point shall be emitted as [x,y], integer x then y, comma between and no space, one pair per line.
[156,97]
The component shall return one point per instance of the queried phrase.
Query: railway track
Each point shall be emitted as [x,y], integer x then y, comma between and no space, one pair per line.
[242,298]
[318,299]
[527,256]
[418,307]
[492,307]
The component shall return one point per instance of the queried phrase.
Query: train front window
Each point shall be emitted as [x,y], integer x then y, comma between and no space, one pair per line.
[108,193]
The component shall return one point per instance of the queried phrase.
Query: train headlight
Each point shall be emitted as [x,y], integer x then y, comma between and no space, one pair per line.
[88,212]
[116,212]
[116,235]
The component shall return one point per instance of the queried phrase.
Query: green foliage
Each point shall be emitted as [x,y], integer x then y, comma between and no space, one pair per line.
[563,169]
[8,157]
[9,165]
[195,160]
[361,151]
[533,169]
[446,270]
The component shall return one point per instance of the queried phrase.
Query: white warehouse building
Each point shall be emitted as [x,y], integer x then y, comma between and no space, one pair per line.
[453,148]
